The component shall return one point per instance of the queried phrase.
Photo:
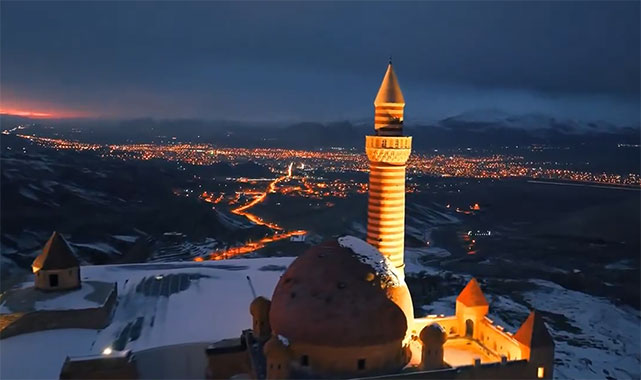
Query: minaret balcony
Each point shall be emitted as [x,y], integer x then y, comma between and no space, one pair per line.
[393,150]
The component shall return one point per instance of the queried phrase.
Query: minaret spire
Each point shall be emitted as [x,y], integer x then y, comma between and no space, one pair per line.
[389,105]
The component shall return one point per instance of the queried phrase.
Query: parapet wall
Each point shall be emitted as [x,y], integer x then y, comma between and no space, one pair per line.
[493,337]
[499,341]
[500,370]
[448,323]
[90,318]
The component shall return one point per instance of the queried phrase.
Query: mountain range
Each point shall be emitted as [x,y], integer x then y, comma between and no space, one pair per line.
[487,128]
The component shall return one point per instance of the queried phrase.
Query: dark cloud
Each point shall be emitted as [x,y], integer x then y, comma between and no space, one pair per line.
[318,59]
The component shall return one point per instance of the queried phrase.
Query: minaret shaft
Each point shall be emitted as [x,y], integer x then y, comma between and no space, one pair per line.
[386,208]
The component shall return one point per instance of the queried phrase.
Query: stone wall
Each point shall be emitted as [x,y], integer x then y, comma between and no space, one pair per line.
[324,361]
[508,370]
[90,318]
[67,279]
[498,341]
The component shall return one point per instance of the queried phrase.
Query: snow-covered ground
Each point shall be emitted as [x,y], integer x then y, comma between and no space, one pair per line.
[186,302]
[40,355]
[603,340]
[26,298]
[158,304]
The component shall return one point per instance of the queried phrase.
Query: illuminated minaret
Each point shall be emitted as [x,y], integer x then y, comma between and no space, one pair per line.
[388,151]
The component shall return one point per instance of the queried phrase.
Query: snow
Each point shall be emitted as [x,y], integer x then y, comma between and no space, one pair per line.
[69,300]
[191,303]
[605,338]
[40,355]
[126,238]
[283,340]
[621,265]
[369,255]
[413,255]
[100,247]
[184,249]
[32,299]
[444,305]
[230,222]
[28,194]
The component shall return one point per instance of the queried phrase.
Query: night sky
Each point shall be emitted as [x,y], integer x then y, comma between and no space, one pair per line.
[320,61]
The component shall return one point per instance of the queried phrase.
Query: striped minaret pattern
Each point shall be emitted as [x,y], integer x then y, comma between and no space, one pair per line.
[388,151]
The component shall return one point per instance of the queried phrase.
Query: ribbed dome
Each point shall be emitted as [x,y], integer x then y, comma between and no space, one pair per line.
[340,293]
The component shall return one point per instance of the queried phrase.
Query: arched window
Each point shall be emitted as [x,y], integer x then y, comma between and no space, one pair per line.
[361,364]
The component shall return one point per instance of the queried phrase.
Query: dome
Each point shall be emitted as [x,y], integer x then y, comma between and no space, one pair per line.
[341,293]
[259,306]
[433,334]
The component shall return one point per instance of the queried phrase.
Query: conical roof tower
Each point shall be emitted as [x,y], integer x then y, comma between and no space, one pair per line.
[533,332]
[389,92]
[389,105]
[472,295]
[56,254]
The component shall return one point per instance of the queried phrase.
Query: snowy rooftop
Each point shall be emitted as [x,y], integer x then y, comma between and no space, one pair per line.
[158,304]
[90,295]
[371,256]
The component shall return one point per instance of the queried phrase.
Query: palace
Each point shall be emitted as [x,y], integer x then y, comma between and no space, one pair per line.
[342,308]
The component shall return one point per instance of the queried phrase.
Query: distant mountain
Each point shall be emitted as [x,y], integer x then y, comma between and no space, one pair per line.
[486,128]
[494,118]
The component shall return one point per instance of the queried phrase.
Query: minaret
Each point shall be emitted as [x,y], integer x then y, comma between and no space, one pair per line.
[388,151]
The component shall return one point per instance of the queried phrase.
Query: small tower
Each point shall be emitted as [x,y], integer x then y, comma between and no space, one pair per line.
[471,307]
[433,338]
[537,346]
[259,309]
[388,151]
[278,359]
[56,268]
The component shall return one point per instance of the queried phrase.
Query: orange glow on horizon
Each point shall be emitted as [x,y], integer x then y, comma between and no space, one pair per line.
[41,114]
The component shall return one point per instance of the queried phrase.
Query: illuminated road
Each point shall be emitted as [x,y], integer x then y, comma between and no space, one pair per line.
[278,232]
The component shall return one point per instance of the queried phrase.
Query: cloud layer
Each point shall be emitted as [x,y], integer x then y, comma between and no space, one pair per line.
[320,60]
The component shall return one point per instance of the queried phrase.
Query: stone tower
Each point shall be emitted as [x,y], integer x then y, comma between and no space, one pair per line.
[56,268]
[388,151]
